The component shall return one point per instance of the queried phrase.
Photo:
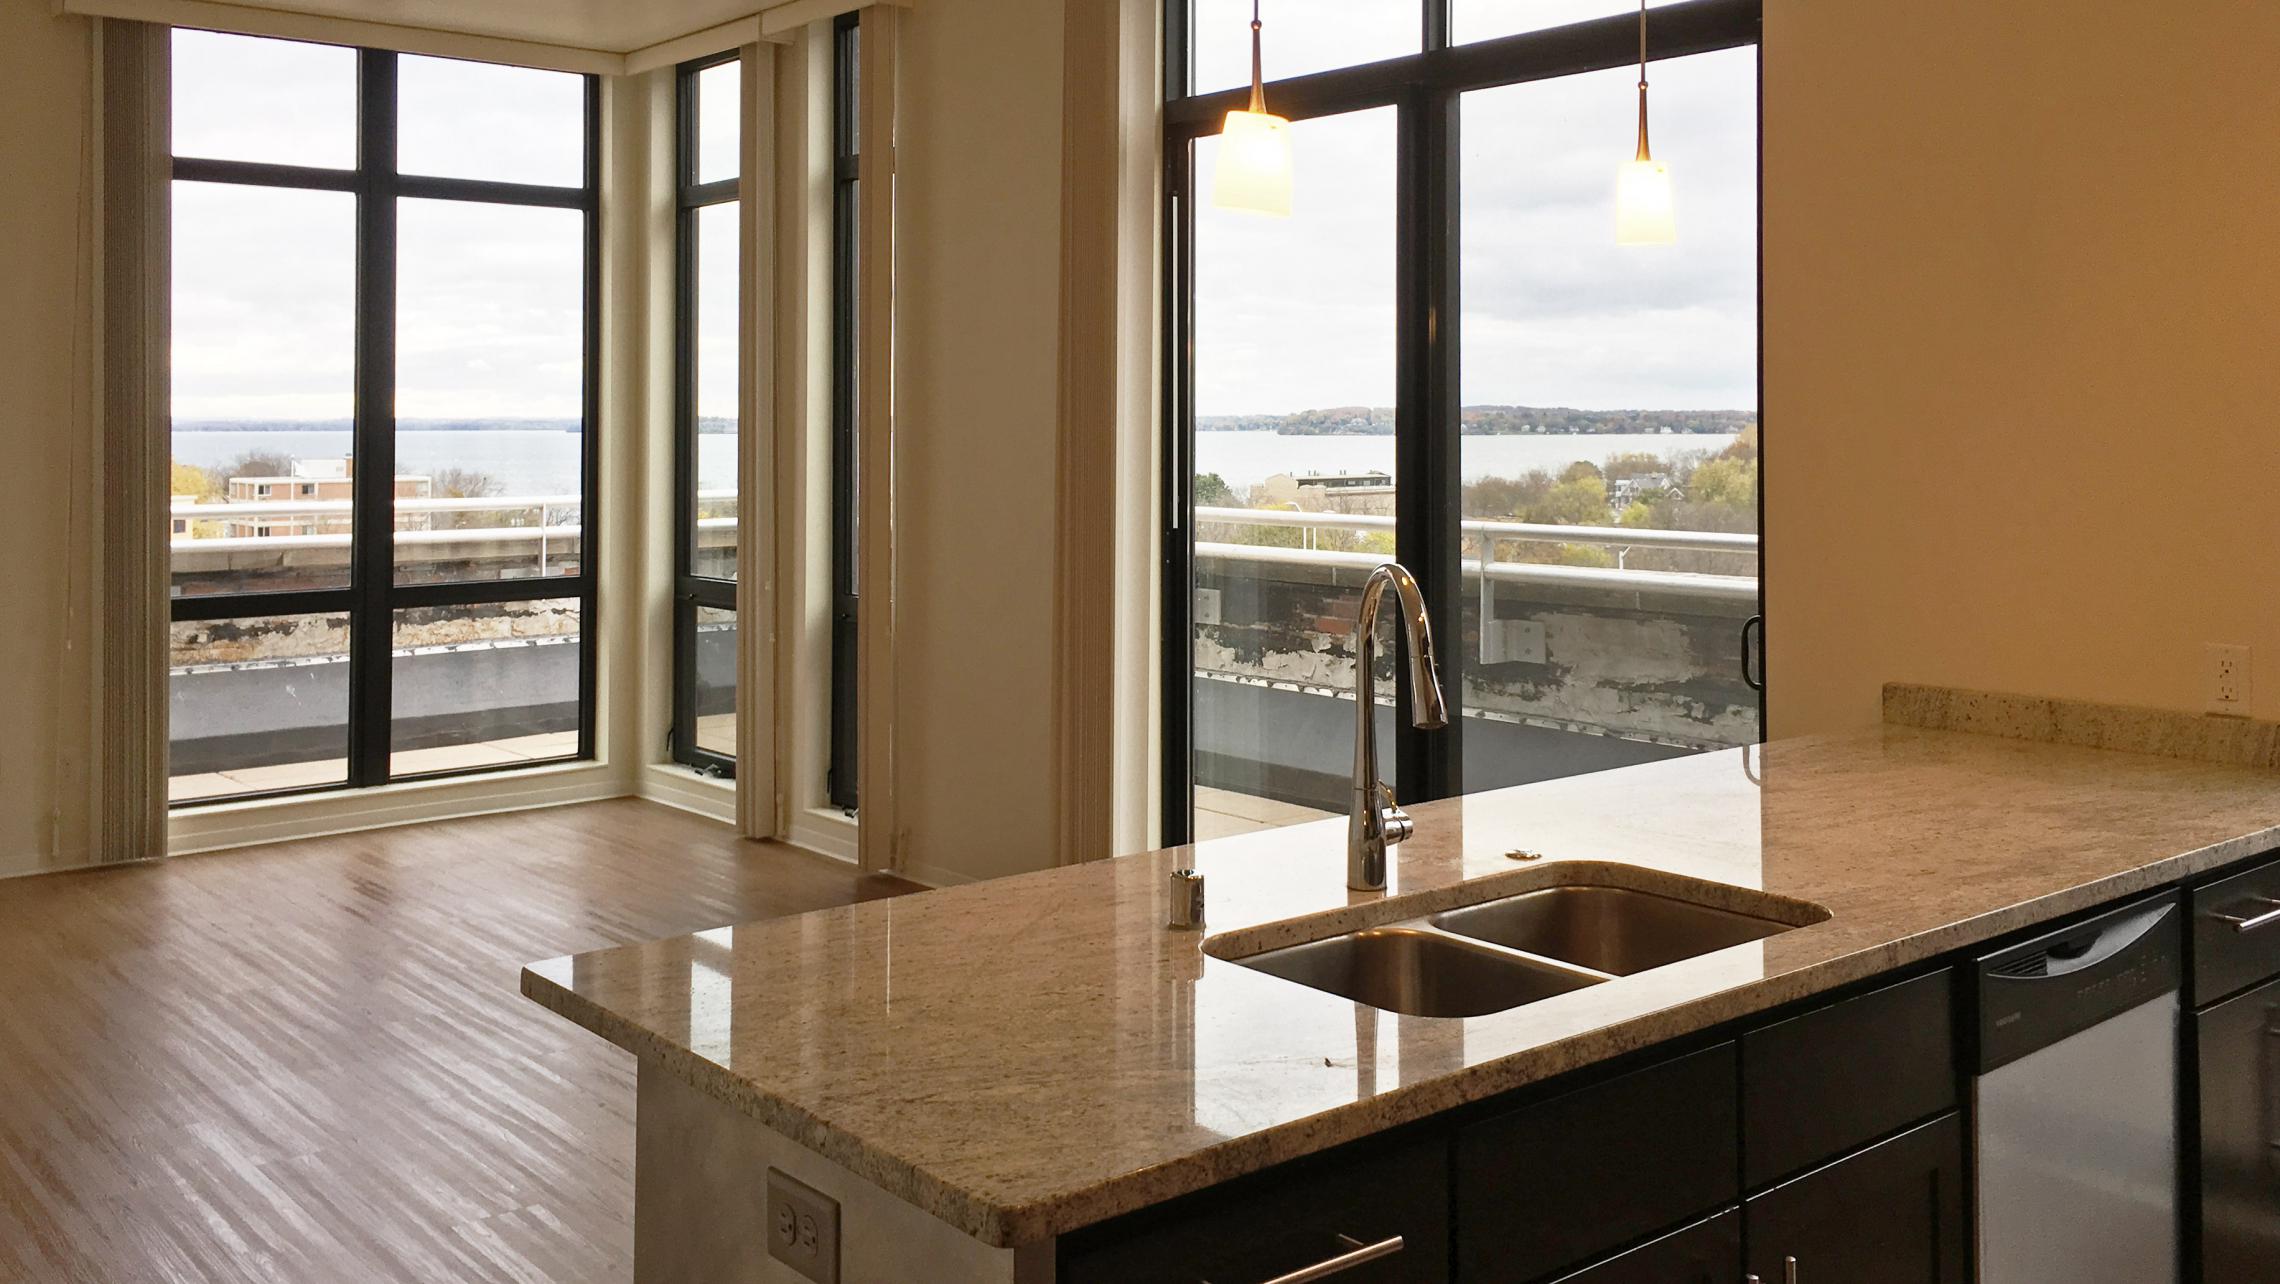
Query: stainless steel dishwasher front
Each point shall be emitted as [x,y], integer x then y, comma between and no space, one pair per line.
[2075,1103]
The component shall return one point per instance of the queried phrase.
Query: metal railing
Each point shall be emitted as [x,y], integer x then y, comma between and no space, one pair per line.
[557,522]
[1488,535]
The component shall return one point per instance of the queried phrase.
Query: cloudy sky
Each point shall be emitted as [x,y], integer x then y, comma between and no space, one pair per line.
[1297,313]
[1292,314]
[489,296]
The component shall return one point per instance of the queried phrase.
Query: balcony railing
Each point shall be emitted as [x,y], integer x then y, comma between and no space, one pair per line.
[1485,537]
[548,507]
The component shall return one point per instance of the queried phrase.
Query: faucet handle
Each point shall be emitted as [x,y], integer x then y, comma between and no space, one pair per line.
[1393,822]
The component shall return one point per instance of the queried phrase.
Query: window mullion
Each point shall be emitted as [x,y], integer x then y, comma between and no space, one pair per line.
[1436,20]
[372,623]
[1429,500]
[590,473]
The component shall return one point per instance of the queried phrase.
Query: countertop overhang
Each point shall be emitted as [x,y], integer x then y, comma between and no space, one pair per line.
[1025,1057]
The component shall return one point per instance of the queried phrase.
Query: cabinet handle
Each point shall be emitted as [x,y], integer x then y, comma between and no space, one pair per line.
[2253,921]
[1358,1254]
[1788,1270]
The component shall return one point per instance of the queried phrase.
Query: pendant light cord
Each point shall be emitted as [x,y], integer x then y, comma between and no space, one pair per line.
[1644,154]
[1258,90]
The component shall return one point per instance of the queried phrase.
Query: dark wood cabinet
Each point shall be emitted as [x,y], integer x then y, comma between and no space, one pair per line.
[1562,1181]
[2234,946]
[1891,1214]
[1708,1252]
[1642,1177]
[1840,1076]
[1263,1229]
[2240,1138]
[2232,1209]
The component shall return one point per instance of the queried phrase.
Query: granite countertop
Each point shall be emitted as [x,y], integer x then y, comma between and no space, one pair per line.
[1028,1056]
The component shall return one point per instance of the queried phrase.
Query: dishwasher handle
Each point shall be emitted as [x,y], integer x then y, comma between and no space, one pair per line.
[2086,948]
[2061,983]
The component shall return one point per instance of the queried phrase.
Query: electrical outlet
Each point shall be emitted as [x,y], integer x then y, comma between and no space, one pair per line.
[803,1228]
[2227,668]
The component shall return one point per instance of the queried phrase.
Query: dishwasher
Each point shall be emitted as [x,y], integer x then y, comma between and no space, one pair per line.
[2075,1102]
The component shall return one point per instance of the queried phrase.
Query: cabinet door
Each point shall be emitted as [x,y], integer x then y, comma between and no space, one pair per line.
[1708,1252]
[1837,1077]
[1562,1182]
[1891,1214]
[2240,1138]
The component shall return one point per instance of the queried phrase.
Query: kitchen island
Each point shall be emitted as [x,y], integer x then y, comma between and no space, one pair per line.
[984,1077]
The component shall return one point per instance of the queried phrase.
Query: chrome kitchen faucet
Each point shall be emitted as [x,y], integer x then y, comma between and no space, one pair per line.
[1370,826]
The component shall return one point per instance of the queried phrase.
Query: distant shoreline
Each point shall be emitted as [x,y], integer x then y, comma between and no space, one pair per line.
[707,425]
[1479,421]
[1494,421]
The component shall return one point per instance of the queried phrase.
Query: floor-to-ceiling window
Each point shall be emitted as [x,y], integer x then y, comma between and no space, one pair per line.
[383,394]
[707,349]
[1443,356]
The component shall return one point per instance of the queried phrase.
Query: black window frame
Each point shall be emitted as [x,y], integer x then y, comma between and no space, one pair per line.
[846,166]
[1426,89]
[693,594]
[373,596]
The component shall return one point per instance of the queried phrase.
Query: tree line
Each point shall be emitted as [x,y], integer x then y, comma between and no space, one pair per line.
[1691,491]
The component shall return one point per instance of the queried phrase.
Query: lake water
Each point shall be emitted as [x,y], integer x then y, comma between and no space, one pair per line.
[529,461]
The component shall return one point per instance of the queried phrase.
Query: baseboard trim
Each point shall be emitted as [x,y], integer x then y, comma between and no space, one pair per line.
[935,876]
[826,832]
[243,824]
[677,786]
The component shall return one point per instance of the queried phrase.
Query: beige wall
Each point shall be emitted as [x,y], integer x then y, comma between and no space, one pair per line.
[2022,293]
[46,444]
[978,225]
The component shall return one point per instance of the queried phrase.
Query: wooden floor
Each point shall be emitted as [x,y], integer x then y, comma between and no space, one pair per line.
[309,1063]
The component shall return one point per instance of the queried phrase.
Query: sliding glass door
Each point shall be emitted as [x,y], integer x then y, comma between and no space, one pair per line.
[1610,444]
[383,400]
[1444,356]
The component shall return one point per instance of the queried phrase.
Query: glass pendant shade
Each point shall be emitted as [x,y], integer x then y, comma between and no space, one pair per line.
[1643,213]
[1254,166]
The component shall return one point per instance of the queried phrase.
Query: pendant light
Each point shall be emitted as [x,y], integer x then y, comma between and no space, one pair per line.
[1253,173]
[1642,190]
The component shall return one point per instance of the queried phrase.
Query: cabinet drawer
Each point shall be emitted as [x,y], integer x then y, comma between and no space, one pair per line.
[1290,1222]
[1560,1182]
[1708,1252]
[1819,1084]
[2233,947]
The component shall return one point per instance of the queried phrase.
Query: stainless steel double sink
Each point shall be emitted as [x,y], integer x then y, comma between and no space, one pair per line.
[1502,953]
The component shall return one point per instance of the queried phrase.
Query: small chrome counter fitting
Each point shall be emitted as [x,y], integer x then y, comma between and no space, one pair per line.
[1186,888]
[1370,827]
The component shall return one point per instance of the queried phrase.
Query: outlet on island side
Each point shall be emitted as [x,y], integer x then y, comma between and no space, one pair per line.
[803,1227]
[2226,668]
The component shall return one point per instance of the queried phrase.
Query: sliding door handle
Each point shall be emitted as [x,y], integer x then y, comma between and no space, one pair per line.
[1753,675]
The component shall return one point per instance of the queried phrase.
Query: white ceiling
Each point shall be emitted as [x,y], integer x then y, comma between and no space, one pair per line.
[611,26]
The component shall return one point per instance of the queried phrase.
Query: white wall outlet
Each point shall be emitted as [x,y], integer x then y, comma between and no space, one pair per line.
[803,1227]
[2227,670]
